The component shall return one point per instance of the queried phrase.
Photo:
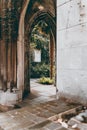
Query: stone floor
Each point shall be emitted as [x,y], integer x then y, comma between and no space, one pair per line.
[35,111]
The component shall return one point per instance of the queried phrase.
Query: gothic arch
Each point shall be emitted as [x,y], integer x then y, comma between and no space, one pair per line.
[48,18]
[41,15]
[23,39]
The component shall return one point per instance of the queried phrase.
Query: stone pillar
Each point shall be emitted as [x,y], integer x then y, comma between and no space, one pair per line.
[4,45]
[26,66]
[0,42]
[8,45]
[4,67]
[20,63]
[9,65]
[1,63]
[51,55]
[20,50]
[14,63]
[0,66]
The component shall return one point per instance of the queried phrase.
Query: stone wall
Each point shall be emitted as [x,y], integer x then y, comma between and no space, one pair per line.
[72,49]
[9,19]
[17,18]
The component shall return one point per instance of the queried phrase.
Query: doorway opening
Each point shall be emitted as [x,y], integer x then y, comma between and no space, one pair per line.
[40,54]
[42,60]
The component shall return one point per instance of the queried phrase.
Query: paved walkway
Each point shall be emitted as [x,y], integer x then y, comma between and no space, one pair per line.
[34,116]
[34,112]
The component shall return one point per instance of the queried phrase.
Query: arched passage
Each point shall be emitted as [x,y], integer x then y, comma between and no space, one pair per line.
[23,40]
[47,17]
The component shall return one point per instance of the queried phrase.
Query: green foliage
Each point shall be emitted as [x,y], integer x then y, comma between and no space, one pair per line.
[40,35]
[39,70]
[45,80]
[41,28]
[40,41]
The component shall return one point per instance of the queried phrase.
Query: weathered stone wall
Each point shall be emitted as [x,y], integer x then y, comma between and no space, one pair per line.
[17,18]
[72,49]
[9,17]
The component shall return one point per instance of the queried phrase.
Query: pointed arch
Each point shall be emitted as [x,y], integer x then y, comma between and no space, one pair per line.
[20,48]
[50,20]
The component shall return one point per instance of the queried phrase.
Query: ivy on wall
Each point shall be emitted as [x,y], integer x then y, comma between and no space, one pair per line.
[10,14]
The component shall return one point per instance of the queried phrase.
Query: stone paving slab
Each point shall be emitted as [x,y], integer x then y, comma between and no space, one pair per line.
[33,112]
[34,116]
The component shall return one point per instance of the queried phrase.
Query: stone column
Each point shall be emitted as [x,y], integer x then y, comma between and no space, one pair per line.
[9,65]
[26,66]
[20,50]
[51,55]
[4,45]
[14,63]
[1,63]
[11,45]
[0,46]
[0,66]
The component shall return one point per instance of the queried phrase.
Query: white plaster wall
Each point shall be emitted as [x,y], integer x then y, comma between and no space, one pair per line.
[72,48]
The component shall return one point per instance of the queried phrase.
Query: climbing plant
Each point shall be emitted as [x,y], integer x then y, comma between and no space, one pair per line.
[10,12]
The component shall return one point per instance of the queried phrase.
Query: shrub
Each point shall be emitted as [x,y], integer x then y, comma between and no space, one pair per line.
[45,80]
[40,70]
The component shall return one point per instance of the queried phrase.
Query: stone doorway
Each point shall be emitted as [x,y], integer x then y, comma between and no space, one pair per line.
[42,61]
[28,21]
[52,49]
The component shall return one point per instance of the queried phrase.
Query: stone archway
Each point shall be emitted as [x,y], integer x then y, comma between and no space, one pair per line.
[47,17]
[13,40]
[23,40]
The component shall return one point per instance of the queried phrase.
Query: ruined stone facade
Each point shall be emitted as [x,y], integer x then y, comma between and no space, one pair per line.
[17,19]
